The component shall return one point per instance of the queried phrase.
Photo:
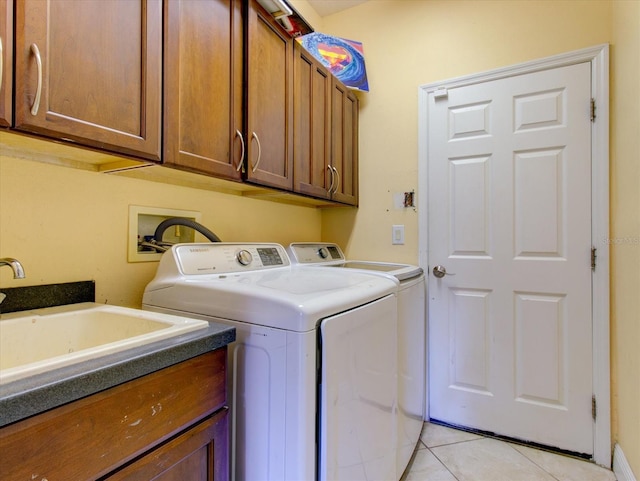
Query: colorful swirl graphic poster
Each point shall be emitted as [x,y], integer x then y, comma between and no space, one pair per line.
[344,58]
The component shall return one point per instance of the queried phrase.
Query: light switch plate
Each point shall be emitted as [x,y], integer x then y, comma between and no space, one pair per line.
[397,234]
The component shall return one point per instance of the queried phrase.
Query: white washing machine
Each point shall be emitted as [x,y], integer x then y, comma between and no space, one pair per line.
[313,369]
[411,331]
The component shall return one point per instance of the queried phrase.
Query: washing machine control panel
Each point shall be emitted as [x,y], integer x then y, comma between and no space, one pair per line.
[314,253]
[226,258]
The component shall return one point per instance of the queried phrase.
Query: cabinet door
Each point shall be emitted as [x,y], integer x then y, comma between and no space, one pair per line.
[269,101]
[90,72]
[6,63]
[344,151]
[199,454]
[311,128]
[203,82]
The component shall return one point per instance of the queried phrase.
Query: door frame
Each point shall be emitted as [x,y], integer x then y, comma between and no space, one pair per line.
[598,56]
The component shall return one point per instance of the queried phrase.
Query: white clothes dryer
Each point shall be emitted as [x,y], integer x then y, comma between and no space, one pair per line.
[411,331]
[313,368]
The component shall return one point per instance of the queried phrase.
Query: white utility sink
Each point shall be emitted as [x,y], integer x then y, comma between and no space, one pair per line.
[41,340]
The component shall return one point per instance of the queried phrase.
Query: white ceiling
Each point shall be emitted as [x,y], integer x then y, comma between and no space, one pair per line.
[328,7]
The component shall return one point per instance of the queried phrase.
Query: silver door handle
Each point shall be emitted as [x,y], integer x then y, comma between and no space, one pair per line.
[440,272]
[332,179]
[335,190]
[36,102]
[255,136]
[241,163]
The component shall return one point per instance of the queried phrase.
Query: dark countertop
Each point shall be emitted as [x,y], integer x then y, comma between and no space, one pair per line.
[35,394]
[48,295]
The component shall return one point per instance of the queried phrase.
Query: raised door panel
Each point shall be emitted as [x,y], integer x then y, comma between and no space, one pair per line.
[269,101]
[6,63]
[90,72]
[203,86]
[199,454]
[312,132]
[344,151]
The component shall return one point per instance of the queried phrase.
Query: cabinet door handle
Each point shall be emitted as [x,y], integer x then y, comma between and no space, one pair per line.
[1,61]
[337,179]
[239,134]
[36,102]
[330,169]
[255,136]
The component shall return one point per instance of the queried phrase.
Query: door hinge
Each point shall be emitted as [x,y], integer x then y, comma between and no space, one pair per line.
[593,110]
[594,407]
[593,258]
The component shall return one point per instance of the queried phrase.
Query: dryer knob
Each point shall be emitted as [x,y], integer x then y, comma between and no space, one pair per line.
[323,252]
[244,257]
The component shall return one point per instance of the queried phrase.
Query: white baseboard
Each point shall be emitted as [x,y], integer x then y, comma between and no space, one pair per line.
[621,467]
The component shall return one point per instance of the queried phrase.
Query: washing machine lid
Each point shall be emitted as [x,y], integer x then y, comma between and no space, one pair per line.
[330,255]
[402,272]
[255,283]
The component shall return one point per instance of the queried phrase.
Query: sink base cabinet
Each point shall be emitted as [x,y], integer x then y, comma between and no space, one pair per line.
[171,424]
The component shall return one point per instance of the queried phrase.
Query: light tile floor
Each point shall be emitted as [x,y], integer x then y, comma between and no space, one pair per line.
[446,454]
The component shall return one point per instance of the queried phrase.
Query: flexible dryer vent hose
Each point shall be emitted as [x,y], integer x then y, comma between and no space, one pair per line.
[157,236]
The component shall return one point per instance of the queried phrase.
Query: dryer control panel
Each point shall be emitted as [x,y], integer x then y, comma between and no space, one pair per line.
[315,253]
[227,258]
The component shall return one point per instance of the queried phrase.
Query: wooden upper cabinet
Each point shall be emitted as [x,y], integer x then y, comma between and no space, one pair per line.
[269,100]
[325,132]
[203,87]
[6,62]
[90,72]
[312,131]
[344,151]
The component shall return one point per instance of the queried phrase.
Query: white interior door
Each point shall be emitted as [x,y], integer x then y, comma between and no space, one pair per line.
[509,195]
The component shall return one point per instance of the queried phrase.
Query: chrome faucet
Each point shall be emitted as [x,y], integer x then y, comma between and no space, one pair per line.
[16,267]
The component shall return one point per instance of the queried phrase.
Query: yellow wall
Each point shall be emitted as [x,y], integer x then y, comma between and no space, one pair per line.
[625,227]
[68,225]
[409,43]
